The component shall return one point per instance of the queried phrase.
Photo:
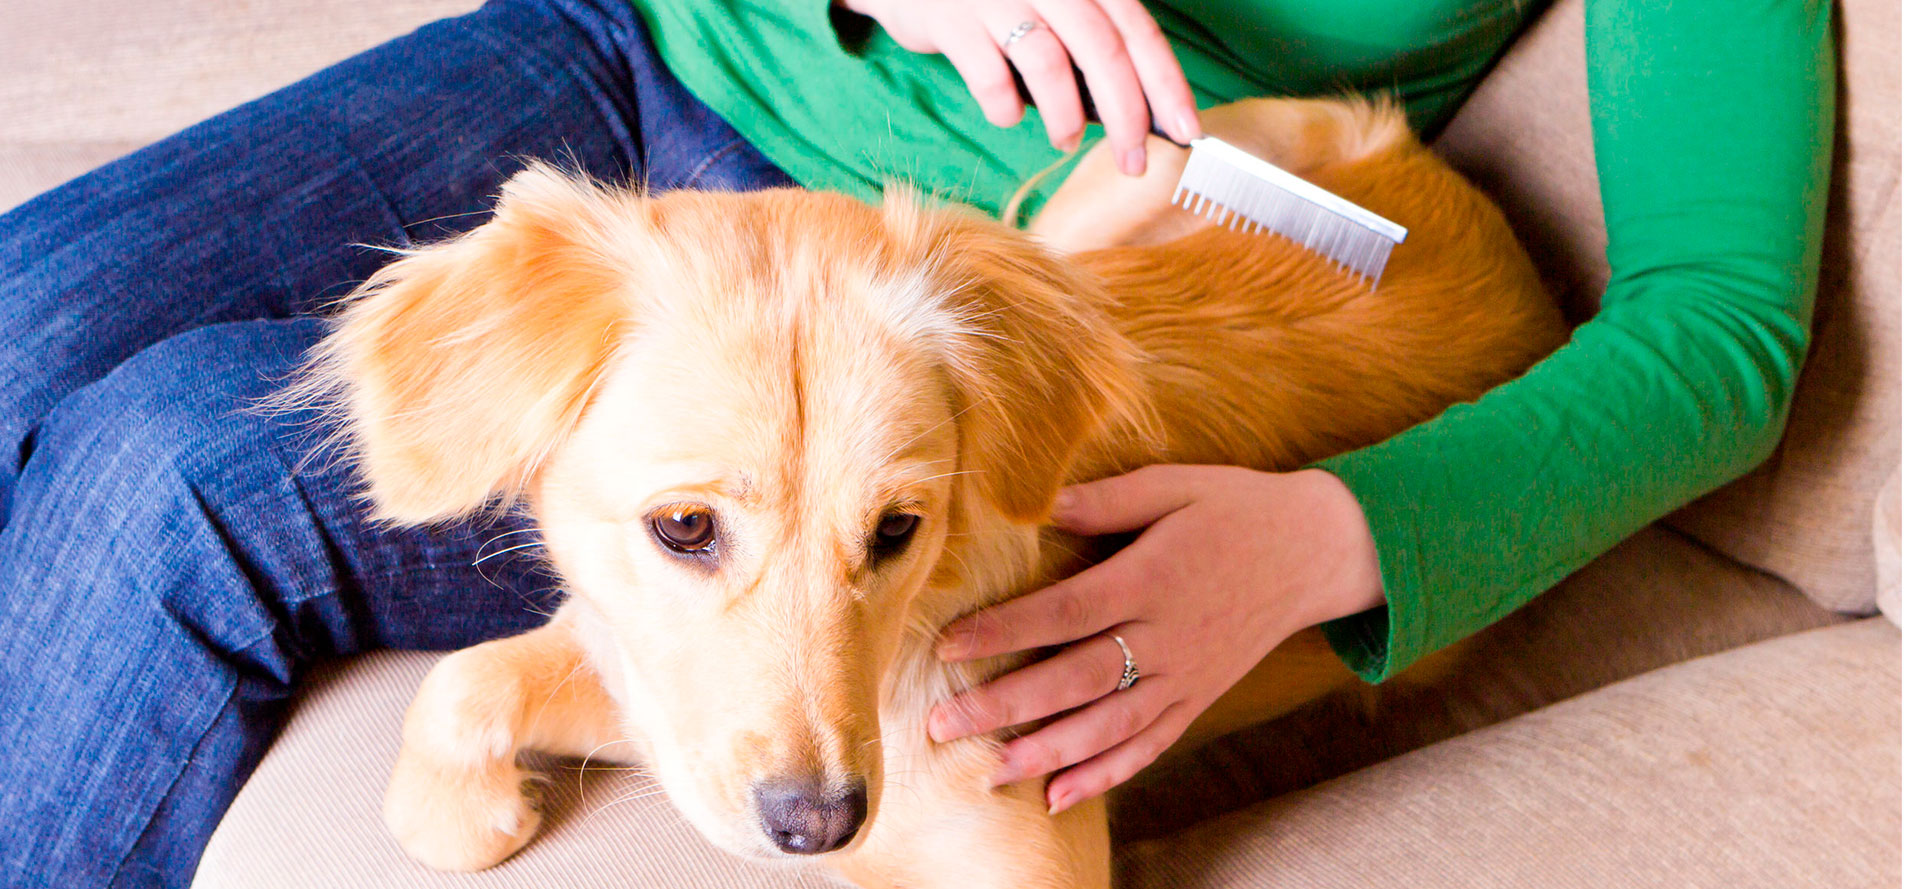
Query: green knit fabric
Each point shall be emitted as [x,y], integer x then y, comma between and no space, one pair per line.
[1713,124]
[839,105]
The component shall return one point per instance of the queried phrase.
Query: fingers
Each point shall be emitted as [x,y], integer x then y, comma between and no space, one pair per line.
[1106,724]
[1049,76]
[1094,599]
[1124,502]
[976,55]
[1168,94]
[1075,608]
[1082,673]
[1117,762]
[1097,48]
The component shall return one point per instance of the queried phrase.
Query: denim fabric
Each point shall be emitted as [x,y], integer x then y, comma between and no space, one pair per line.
[166,576]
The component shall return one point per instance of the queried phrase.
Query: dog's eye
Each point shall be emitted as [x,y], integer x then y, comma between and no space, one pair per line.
[684,530]
[893,533]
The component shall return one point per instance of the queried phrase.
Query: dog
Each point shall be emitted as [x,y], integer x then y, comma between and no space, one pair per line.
[773,442]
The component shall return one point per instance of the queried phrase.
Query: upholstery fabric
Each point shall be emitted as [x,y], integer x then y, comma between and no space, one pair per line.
[83,83]
[1886,547]
[310,818]
[1655,600]
[1770,765]
[1806,514]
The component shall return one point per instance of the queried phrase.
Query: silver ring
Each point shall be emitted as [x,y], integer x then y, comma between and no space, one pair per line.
[1019,31]
[1130,673]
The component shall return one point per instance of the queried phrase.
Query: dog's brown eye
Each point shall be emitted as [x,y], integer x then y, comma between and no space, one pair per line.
[893,533]
[685,530]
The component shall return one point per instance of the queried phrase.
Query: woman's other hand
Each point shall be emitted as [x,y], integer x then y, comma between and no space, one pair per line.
[1231,562]
[1129,68]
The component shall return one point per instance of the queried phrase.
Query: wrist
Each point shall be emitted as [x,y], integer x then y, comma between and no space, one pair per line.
[1351,582]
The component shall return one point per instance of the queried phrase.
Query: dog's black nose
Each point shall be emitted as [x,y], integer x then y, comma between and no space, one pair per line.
[804,819]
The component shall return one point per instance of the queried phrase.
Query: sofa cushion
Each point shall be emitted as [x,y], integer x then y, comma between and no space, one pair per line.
[1886,546]
[1806,514]
[1655,600]
[310,817]
[1777,764]
[82,83]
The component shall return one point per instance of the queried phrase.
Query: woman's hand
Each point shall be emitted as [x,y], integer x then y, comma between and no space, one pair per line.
[1129,68]
[1232,562]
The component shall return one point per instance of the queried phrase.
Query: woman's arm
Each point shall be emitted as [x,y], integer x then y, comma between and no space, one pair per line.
[1713,125]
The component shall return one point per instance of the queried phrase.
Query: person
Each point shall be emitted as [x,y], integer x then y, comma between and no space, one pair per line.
[169,569]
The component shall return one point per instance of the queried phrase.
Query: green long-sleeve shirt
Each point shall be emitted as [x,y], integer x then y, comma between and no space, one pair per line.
[1713,124]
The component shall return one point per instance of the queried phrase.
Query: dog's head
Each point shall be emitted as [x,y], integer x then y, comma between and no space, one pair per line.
[761,434]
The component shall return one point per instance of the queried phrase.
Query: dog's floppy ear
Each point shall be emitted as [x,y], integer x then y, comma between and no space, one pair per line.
[455,369]
[1034,358]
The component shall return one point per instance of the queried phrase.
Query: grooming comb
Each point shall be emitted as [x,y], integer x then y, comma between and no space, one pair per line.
[1230,187]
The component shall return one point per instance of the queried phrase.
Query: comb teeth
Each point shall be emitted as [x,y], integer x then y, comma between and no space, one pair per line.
[1229,187]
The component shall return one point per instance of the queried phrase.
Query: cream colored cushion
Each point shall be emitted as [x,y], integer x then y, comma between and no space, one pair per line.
[82,83]
[1886,547]
[1806,514]
[1773,765]
[310,818]
[1655,600]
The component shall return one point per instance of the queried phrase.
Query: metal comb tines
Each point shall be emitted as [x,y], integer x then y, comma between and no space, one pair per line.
[1228,187]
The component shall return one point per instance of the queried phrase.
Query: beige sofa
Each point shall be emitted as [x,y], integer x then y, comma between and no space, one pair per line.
[1707,705]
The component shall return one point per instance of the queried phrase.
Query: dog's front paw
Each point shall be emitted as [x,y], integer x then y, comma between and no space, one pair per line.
[460,819]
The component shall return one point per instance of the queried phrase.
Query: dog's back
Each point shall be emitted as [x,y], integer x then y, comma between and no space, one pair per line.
[1259,352]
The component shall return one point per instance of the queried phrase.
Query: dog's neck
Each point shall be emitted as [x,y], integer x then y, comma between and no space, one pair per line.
[989,559]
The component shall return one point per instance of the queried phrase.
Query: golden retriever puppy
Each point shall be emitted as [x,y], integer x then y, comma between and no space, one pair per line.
[775,441]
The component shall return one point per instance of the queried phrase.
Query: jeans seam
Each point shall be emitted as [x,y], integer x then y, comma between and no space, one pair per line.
[153,812]
[701,168]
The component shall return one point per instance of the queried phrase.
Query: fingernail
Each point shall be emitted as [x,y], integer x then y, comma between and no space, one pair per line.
[1009,770]
[950,647]
[939,727]
[1187,127]
[1059,802]
[1063,502]
[1134,162]
[1068,143]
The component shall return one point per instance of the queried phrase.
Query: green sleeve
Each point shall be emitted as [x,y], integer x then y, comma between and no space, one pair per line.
[1713,125]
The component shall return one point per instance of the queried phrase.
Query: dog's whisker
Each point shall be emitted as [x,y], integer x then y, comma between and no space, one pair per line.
[432,219]
[922,434]
[946,475]
[628,798]
[542,709]
[489,541]
[581,771]
[476,562]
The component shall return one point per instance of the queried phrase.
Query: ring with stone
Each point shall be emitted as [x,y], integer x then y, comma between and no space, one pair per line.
[1130,673]
[1019,31]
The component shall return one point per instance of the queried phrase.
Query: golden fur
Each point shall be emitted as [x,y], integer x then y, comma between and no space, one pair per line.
[800,364]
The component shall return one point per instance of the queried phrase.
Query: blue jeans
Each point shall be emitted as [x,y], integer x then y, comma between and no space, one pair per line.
[166,576]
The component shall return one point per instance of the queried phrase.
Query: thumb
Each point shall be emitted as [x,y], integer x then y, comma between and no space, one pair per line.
[1124,502]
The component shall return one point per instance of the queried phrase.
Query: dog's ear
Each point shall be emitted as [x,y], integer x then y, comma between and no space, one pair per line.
[1034,357]
[455,369]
